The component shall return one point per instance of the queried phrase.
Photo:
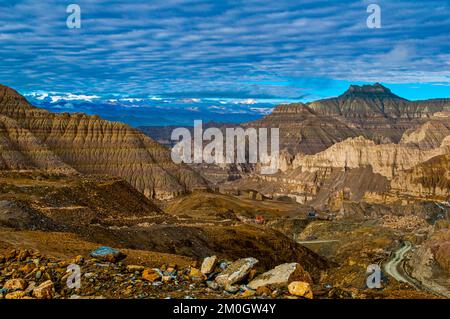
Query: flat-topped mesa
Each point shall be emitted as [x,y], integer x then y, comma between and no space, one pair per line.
[366,102]
[89,145]
[377,88]
[376,102]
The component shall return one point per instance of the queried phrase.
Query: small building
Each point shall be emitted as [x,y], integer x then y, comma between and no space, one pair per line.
[260,220]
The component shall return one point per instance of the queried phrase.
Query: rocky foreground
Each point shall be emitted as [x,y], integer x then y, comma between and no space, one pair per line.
[106,274]
[30,275]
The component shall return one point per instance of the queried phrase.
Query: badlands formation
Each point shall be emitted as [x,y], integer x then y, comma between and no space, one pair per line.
[33,138]
[364,178]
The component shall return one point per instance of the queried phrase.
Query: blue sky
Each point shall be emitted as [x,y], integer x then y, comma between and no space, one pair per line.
[235,53]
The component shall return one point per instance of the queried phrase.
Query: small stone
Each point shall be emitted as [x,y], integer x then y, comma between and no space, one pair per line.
[231,289]
[15,284]
[151,275]
[208,265]
[27,268]
[30,288]
[171,271]
[23,255]
[107,254]
[196,275]
[224,264]
[248,293]
[44,290]
[212,285]
[236,272]
[166,279]
[134,268]
[3,292]
[301,289]
[79,260]
[15,295]
[263,291]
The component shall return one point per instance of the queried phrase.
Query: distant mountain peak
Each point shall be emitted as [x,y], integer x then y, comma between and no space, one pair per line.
[369,89]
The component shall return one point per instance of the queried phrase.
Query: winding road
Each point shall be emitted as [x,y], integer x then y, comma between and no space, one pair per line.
[395,265]
[392,265]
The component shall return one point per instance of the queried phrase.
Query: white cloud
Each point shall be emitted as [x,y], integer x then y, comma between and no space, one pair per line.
[245,101]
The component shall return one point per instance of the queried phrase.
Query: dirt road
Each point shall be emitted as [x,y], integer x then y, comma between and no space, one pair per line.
[392,266]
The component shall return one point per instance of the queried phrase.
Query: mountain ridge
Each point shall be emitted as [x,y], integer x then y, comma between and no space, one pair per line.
[371,111]
[90,145]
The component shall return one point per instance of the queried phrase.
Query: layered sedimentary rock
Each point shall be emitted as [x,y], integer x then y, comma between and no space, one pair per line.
[430,134]
[361,169]
[430,179]
[360,145]
[302,130]
[89,145]
[371,111]
[21,150]
[382,115]
[376,101]
[385,159]
[357,169]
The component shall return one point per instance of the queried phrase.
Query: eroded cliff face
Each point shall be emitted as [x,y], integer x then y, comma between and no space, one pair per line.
[21,150]
[358,169]
[385,159]
[304,131]
[370,111]
[430,179]
[430,134]
[366,144]
[35,138]
[369,166]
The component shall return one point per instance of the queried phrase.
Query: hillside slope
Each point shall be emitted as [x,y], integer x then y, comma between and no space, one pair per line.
[35,138]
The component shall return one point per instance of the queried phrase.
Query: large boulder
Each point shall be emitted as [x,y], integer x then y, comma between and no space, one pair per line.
[208,265]
[236,272]
[44,290]
[281,275]
[108,254]
[15,284]
[15,295]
